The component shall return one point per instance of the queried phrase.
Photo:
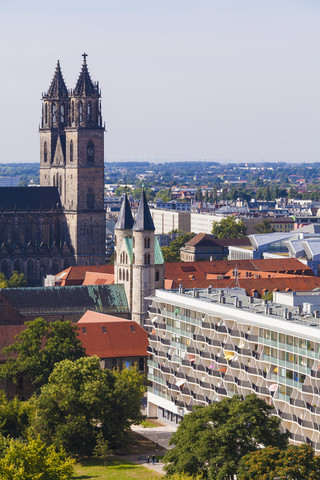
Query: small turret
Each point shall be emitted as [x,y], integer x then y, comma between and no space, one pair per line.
[58,87]
[85,86]
[125,219]
[143,221]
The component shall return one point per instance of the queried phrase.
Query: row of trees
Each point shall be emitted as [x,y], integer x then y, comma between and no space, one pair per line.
[77,407]
[237,437]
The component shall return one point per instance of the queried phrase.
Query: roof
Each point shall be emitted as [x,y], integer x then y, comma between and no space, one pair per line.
[95,278]
[84,84]
[75,275]
[158,257]
[58,87]
[207,240]
[74,300]
[107,336]
[143,221]
[125,218]
[29,198]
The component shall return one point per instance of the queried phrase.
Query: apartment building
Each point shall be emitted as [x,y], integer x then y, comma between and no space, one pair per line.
[210,344]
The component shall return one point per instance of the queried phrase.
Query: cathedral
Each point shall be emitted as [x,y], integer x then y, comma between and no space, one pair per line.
[46,229]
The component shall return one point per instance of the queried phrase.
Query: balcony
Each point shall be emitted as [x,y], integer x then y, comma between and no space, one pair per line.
[165,341]
[297,403]
[205,355]
[307,388]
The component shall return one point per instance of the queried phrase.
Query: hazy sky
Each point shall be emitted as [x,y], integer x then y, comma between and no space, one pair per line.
[224,80]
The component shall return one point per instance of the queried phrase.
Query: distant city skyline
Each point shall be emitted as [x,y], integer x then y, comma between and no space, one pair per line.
[181,80]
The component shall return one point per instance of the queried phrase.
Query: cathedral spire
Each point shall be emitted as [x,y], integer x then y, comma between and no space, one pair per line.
[58,87]
[143,219]
[84,85]
[125,219]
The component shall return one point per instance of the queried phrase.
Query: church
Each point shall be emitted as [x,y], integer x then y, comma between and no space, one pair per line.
[46,229]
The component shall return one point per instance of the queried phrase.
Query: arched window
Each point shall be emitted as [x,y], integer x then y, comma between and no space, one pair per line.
[88,112]
[71,151]
[127,276]
[54,181]
[72,111]
[120,274]
[45,152]
[62,113]
[147,243]
[54,113]
[16,266]
[90,199]
[46,114]
[90,152]
[80,111]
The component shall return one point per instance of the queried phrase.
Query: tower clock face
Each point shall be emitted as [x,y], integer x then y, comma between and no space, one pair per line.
[90,151]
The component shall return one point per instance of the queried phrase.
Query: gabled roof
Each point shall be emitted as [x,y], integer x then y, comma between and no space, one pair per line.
[84,84]
[207,240]
[29,198]
[58,87]
[125,218]
[107,336]
[75,275]
[143,221]
[73,300]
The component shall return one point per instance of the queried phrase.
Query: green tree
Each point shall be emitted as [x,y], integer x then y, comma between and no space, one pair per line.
[15,416]
[165,194]
[17,280]
[33,460]
[80,399]
[3,281]
[265,227]
[172,253]
[268,295]
[38,348]
[212,440]
[102,449]
[272,463]
[229,228]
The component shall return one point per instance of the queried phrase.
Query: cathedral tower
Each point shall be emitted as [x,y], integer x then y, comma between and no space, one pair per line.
[72,159]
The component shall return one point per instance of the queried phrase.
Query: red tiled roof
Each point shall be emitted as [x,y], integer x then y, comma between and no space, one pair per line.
[204,239]
[75,275]
[97,278]
[112,337]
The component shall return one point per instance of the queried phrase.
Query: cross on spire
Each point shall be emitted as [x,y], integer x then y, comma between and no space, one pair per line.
[84,57]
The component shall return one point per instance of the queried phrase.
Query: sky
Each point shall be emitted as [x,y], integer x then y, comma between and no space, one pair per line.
[214,80]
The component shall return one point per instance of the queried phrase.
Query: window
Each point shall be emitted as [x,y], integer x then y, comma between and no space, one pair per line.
[71,151]
[80,111]
[62,113]
[72,112]
[54,116]
[132,328]
[88,112]
[157,276]
[45,152]
[84,330]
[104,330]
[90,199]
[141,364]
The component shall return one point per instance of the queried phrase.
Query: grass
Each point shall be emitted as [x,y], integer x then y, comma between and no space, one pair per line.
[114,470]
[148,424]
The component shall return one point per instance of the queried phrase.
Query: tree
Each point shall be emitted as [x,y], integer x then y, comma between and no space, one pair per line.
[172,253]
[17,280]
[229,228]
[212,440]
[38,348]
[81,399]
[15,416]
[33,460]
[265,227]
[272,463]
[102,449]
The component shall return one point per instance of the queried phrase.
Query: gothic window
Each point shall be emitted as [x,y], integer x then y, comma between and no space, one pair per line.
[157,276]
[71,151]
[126,258]
[54,181]
[120,274]
[147,243]
[72,111]
[127,277]
[30,269]
[88,112]
[46,113]
[90,199]
[62,113]
[45,152]
[80,111]
[60,190]
[54,113]
[90,152]
[16,266]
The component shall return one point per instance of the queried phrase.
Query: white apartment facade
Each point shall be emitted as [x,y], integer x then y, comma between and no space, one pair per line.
[208,344]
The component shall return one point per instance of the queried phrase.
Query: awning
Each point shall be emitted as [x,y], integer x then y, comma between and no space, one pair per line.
[180,382]
[273,387]
[228,355]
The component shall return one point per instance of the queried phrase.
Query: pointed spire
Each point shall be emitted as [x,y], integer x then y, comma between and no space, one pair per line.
[143,219]
[57,88]
[125,219]
[84,84]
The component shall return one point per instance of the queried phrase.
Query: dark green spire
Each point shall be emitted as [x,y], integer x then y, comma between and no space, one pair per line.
[143,219]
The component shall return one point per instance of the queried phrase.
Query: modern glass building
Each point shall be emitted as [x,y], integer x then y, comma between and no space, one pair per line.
[210,344]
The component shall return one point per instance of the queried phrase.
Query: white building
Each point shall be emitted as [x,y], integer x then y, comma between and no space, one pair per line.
[207,345]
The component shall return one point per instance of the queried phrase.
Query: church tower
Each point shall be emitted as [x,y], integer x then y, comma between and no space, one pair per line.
[72,158]
[143,262]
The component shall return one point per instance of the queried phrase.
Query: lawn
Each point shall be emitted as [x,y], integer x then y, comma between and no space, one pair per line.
[114,470]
